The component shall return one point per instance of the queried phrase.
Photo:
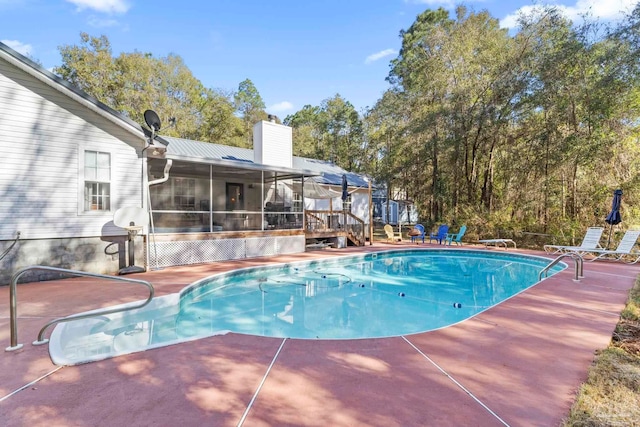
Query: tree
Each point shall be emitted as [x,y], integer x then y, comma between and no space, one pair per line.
[342,132]
[306,131]
[134,82]
[90,67]
[250,106]
[331,131]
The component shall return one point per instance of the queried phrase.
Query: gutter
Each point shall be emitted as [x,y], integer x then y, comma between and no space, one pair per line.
[25,64]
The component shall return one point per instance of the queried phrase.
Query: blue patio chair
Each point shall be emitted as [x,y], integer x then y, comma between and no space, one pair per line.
[440,235]
[417,237]
[456,237]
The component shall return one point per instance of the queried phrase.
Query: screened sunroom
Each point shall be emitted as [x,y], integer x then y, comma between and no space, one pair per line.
[215,197]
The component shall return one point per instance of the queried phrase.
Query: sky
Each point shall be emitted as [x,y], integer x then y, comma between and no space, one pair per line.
[296,53]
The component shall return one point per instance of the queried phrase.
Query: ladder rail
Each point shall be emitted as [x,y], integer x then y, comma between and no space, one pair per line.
[13,303]
[579,265]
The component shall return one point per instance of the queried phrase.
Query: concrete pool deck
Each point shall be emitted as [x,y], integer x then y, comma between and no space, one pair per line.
[517,364]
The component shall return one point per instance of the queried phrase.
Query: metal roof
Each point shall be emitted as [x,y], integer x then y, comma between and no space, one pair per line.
[189,150]
[329,173]
[222,155]
[58,83]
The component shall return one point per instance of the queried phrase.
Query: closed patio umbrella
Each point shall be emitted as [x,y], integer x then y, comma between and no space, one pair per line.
[614,216]
[345,189]
[345,196]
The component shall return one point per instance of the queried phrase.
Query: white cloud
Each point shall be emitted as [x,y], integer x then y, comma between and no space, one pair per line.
[379,55]
[18,46]
[280,107]
[603,10]
[511,20]
[447,4]
[96,22]
[610,9]
[105,6]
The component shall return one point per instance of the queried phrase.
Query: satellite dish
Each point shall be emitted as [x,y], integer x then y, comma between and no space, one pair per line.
[130,217]
[152,119]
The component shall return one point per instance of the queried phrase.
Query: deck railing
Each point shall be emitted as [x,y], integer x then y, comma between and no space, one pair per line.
[326,221]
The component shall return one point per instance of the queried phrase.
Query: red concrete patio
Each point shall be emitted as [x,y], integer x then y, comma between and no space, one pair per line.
[518,364]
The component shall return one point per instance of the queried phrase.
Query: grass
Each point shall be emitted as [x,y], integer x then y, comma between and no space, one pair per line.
[611,395]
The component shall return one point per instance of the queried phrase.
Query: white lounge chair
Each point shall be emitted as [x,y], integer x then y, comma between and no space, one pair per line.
[590,241]
[498,242]
[624,252]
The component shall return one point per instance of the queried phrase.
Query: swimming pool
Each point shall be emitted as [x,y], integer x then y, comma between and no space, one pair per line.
[375,295]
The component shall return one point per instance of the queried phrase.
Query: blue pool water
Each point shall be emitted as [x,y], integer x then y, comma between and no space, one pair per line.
[375,295]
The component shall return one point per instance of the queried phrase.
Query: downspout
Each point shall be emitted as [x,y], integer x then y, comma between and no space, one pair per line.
[164,178]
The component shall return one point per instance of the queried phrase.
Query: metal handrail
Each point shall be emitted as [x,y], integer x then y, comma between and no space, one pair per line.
[14,301]
[576,257]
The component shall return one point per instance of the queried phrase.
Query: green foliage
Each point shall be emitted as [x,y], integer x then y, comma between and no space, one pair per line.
[134,82]
[332,131]
[306,131]
[631,311]
[531,131]
[251,107]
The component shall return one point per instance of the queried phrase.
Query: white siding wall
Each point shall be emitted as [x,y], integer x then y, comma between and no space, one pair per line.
[360,205]
[273,144]
[257,142]
[319,204]
[42,137]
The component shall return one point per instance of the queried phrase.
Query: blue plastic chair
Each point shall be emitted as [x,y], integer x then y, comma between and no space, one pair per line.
[456,237]
[441,235]
[420,228]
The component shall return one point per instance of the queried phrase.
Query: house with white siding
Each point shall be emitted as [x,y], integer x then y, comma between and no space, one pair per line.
[67,162]
[70,163]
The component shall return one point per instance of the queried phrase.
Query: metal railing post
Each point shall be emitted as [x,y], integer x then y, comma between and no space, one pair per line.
[13,313]
[579,265]
[13,303]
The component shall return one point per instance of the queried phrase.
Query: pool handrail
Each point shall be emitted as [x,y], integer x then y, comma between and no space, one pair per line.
[13,301]
[578,261]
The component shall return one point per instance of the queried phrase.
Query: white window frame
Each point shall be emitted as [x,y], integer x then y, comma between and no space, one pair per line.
[181,200]
[297,204]
[347,204]
[82,181]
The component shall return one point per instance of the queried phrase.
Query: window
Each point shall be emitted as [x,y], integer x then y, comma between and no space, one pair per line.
[297,202]
[346,205]
[97,181]
[184,193]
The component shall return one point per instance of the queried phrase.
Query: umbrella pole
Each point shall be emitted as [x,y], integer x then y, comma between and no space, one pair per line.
[609,238]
